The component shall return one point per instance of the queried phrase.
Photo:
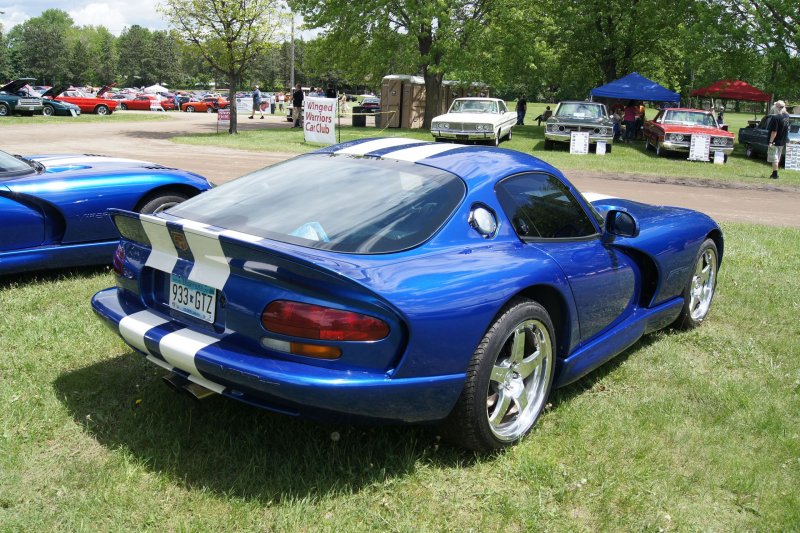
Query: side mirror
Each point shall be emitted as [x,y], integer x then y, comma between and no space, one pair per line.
[723,127]
[621,223]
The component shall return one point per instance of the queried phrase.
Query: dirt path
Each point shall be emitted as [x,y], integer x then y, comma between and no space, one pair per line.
[769,204]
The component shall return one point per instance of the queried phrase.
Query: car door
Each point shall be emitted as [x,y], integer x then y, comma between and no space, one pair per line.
[760,136]
[22,223]
[546,214]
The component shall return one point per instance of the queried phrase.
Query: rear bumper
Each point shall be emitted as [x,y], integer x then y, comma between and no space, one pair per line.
[221,364]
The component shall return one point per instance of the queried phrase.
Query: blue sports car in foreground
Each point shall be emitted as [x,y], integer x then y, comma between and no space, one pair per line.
[53,207]
[404,281]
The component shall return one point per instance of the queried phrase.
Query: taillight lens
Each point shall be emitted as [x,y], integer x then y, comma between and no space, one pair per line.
[316,322]
[119,259]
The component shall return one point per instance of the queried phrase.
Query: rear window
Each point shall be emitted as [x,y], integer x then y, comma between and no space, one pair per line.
[339,203]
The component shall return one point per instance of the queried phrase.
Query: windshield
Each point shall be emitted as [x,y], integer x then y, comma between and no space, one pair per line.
[473,106]
[338,203]
[794,124]
[690,118]
[12,167]
[580,110]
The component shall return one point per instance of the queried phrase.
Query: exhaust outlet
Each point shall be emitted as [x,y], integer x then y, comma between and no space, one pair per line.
[175,382]
[197,392]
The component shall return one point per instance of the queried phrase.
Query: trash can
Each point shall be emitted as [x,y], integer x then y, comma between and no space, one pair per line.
[359,119]
[378,118]
[272,108]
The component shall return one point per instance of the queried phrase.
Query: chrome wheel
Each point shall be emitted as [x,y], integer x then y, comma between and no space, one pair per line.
[519,381]
[48,111]
[704,280]
[658,149]
[3,110]
[190,109]
[101,110]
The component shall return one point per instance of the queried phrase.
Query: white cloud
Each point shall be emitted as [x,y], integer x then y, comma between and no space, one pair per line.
[115,16]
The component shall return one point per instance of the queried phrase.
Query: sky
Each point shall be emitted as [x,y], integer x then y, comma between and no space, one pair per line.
[114,15]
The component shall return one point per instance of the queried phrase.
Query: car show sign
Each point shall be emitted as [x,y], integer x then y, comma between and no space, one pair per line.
[155,105]
[719,158]
[792,161]
[319,123]
[579,142]
[699,147]
[600,148]
[244,105]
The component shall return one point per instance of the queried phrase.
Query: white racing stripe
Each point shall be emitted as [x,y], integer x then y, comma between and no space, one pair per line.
[163,255]
[417,153]
[239,236]
[210,385]
[180,348]
[133,327]
[378,144]
[60,161]
[210,263]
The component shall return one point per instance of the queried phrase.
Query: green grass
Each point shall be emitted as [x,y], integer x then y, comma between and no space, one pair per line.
[625,160]
[15,120]
[684,431]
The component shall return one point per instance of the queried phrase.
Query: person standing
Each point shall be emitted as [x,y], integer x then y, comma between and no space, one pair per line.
[256,103]
[778,129]
[640,121]
[297,104]
[281,101]
[522,107]
[629,118]
[176,99]
[330,92]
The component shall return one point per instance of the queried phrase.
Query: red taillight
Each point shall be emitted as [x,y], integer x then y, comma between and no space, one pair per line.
[316,322]
[119,259]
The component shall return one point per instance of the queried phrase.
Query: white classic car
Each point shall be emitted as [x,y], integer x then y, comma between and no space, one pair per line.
[475,119]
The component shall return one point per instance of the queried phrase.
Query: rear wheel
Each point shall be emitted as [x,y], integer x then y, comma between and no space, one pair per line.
[102,110]
[748,150]
[48,111]
[190,109]
[123,107]
[699,292]
[508,380]
[161,201]
[209,109]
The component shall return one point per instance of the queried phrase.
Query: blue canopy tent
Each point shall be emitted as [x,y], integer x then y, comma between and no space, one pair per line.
[634,86]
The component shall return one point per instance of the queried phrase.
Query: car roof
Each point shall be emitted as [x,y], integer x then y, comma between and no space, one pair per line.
[686,109]
[580,102]
[479,98]
[483,163]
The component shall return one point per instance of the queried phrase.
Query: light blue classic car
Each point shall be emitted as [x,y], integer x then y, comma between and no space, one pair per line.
[755,137]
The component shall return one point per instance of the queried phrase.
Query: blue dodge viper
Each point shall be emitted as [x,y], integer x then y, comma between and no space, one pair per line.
[404,281]
[53,207]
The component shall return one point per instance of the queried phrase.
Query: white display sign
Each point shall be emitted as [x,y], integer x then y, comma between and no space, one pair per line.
[155,105]
[719,157]
[792,161]
[600,148]
[579,142]
[319,123]
[699,147]
[244,105]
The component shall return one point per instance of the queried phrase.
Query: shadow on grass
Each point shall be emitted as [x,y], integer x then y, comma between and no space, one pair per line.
[237,450]
[59,274]
[233,449]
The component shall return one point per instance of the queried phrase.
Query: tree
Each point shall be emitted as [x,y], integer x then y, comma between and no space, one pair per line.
[440,31]
[229,34]
[43,47]
[136,57]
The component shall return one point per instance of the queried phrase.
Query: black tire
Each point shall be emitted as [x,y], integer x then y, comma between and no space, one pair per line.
[4,110]
[608,148]
[748,151]
[209,110]
[48,111]
[548,144]
[699,291]
[498,377]
[190,109]
[161,201]
[102,110]
[508,137]
[647,146]
[122,107]
[496,141]
[659,150]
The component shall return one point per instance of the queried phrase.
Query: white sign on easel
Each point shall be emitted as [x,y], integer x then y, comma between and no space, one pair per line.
[579,142]
[719,157]
[792,161]
[319,120]
[155,105]
[699,147]
[600,148]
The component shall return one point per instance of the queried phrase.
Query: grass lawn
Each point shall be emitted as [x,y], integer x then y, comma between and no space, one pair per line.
[684,431]
[15,120]
[624,158]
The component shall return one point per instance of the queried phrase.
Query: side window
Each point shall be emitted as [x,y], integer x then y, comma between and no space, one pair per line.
[659,116]
[763,124]
[503,108]
[539,206]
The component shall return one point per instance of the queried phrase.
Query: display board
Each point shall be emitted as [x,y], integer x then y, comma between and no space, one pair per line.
[699,147]
[319,124]
[600,148]
[579,142]
[792,161]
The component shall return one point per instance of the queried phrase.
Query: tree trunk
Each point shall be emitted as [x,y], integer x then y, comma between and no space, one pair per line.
[433,90]
[233,86]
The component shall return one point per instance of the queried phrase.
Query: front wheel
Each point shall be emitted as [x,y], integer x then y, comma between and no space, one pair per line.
[508,380]
[161,202]
[209,110]
[123,107]
[48,111]
[699,292]
[548,144]
[508,137]
[190,109]
[748,151]
[102,110]
[496,141]
[659,149]
[3,109]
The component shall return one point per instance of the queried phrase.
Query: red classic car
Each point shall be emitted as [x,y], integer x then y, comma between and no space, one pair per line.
[144,102]
[672,129]
[208,104]
[89,103]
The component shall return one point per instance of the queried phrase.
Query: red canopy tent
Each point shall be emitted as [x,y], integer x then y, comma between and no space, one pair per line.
[733,90]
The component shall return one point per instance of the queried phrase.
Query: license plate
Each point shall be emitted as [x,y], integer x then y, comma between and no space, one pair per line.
[194,299]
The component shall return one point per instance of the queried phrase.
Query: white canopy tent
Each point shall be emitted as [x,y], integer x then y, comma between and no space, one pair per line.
[154,89]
